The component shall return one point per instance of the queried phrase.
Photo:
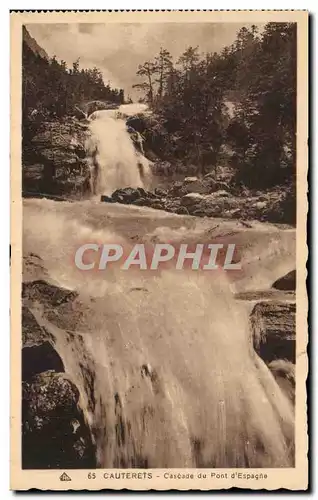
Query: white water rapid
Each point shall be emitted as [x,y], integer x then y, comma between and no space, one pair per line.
[163,362]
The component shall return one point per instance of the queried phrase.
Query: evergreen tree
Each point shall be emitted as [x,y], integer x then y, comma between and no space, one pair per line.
[257,75]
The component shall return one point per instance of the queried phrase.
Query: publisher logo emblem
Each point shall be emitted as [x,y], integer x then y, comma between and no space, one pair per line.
[65,477]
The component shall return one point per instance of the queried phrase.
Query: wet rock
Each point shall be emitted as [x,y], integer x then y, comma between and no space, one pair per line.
[137,122]
[190,180]
[33,268]
[207,185]
[126,195]
[284,373]
[287,282]
[260,204]
[32,176]
[143,202]
[54,160]
[191,199]
[220,199]
[197,212]
[32,333]
[38,352]
[44,292]
[195,185]
[157,204]
[161,193]
[173,206]
[138,196]
[281,205]
[274,330]
[40,358]
[54,432]
[106,199]
[147,194]
[176,189]
[182,211]
[220,194]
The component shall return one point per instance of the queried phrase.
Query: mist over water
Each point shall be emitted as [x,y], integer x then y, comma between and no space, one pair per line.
[113,159]
[164,364]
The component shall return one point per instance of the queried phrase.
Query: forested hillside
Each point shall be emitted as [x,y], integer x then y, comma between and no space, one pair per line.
[231,115]
[53,90]
[236,107]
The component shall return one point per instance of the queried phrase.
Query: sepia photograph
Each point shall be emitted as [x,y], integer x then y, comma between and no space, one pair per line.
[159,306]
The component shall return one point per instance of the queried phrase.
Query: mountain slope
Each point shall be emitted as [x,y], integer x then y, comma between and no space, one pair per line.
[32,44]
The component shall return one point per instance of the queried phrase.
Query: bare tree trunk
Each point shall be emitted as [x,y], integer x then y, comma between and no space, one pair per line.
[150,88]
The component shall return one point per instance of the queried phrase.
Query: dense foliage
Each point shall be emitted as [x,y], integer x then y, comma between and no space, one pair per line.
[237,106]
[51,90]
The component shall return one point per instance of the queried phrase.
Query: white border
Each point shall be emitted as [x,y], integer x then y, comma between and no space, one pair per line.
[4,198]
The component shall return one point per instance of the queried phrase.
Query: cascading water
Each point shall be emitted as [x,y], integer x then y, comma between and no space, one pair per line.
[163,363]
[114,162]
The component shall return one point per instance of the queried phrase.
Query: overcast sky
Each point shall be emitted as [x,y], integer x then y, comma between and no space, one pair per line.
[117,49]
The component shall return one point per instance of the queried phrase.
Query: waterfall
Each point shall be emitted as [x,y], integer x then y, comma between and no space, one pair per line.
[166,373]
[113,160]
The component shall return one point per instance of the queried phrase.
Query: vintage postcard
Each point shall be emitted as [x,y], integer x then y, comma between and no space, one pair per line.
[158,250]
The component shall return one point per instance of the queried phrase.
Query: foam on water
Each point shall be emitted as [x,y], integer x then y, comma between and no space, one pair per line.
[164,365]
[113,159]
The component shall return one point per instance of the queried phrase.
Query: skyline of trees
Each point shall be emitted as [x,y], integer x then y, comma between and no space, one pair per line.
[257,74]
[53,89]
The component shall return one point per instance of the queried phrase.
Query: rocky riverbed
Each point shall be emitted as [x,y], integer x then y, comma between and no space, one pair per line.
[207,198]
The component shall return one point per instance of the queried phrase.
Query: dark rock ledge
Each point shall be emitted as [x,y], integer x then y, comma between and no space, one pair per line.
[54,432]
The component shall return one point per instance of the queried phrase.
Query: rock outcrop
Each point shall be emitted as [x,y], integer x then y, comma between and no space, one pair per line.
[47,293]
[54,431]
[274,330]
[54,434]
[54,161]
[273,326]
[287,282]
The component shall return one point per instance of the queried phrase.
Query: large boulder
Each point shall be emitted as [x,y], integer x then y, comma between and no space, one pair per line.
[137,196]
[191,199]
[161,193]
[219,194]
[173,205]
[54,160]
[287,282]
[54,432]
[38,348]
[40,358]
[126,195]
[274,330]
[195,185]
[137,122]
[216,182]
[106,199]
[182,211]
[281,206]
[177,189]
